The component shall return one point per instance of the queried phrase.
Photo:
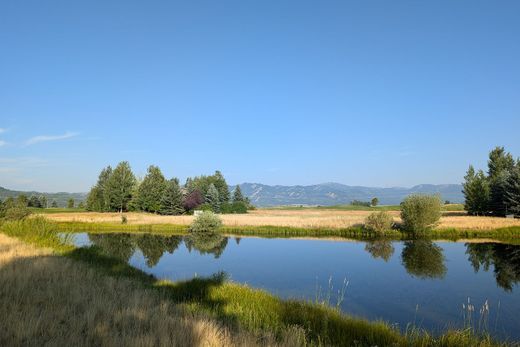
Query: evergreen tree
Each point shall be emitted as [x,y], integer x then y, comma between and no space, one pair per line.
[54,204]
[34,202]
[171,201]
[70,203]
[237,195]
[498,188]
[222,187]
[476,192]
[499,160]
[98,198]
[212,198]
[151,190]
[513,190]
[120,186]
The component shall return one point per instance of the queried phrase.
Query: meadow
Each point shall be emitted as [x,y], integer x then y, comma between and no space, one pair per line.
[304,218]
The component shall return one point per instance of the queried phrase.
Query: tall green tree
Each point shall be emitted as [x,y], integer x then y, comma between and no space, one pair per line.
[70,203]
[98,198]
[476,192]
[222,187]
[54,204]
[237,195]
[513,190]
[151,190]
[171,201]
[120,186]
[43,201]
[212,198]
[499,161]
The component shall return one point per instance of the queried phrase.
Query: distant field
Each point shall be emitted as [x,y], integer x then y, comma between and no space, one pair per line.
[300,218]
[449,207]
[56,210]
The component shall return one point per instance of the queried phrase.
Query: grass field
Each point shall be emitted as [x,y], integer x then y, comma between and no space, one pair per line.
[79,296]
[306,218]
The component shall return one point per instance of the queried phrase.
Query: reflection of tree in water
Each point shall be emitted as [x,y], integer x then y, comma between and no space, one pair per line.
[380,249]
[423,259]
[206,243]
[504,258]
[154,246]
[123,246]
[120,246]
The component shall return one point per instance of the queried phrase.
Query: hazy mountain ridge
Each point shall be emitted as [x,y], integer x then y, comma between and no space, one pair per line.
[330,193]
[336,193]
[60,197]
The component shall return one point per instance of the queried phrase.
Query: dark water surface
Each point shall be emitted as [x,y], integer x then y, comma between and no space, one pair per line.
[401,282]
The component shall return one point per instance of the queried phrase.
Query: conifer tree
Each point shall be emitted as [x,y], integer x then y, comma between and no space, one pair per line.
[212,198]
[222,187]
[513,190]
[237,195]
[151,190]
[171,201]
[120,186]
[476,192]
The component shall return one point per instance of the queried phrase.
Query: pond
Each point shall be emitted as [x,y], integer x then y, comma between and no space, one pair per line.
[419,282]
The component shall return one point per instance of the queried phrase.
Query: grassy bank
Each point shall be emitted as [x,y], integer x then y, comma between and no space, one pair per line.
[355,232]
[239,307]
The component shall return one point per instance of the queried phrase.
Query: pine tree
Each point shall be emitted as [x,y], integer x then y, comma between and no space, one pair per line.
[499,160]
[476,192]
[151,190]
[70,203]
[498,187]
[513,190]
[120,186]
[222,187]
[212,198]
[171,201]
[237,195]
[54,204]
[98,198]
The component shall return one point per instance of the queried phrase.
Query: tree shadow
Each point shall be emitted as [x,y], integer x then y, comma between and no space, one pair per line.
[48,299]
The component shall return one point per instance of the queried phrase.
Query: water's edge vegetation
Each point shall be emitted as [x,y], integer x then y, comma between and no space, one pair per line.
[235,305]
[355,232]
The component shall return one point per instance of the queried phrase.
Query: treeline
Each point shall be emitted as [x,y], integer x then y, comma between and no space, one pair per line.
[23,200]
[119,190]
[496,192]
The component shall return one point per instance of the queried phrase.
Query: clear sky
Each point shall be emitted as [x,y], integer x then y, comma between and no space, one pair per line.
[378,93]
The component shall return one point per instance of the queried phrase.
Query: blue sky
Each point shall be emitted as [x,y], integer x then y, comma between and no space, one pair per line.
[378,93]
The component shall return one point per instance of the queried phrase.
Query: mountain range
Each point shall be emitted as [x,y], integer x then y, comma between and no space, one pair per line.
[327,194]
[324,194]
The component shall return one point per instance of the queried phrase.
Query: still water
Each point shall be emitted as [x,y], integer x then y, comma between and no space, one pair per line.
[402,282]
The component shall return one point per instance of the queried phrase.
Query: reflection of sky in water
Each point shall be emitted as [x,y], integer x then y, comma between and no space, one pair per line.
[437,277]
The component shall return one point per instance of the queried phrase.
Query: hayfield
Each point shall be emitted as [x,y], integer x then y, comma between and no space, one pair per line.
[300,218]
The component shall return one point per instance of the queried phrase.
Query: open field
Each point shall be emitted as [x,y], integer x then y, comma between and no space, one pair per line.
[296,218]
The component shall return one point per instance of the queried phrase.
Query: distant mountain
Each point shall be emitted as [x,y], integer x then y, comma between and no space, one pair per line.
[327,194]
[61,198]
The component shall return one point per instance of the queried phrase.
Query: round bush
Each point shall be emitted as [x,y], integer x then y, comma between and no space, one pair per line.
[379,222]
[206,222]
[420,212]
[17,213]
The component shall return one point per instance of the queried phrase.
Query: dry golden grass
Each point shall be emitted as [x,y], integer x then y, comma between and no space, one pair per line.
[307,218]
[51,300]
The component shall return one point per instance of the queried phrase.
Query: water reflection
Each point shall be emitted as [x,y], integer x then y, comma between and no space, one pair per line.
[504,258]
[423,259]
[207,243]
[383,249]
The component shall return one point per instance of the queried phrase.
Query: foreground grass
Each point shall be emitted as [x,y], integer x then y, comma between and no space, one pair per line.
[238,307]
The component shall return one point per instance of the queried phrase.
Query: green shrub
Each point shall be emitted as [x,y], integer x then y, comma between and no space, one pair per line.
[16,213]
[235,207]
[420,212]
[379,222]
[206,222]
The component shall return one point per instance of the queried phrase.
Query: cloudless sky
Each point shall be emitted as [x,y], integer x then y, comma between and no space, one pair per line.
[377,93]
